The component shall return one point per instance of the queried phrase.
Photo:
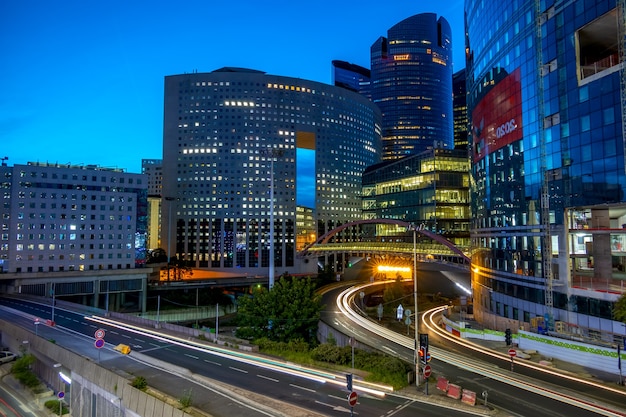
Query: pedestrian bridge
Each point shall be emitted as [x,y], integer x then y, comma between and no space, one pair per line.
[438,248]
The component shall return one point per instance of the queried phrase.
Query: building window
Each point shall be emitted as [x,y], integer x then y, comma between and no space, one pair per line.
[598,46]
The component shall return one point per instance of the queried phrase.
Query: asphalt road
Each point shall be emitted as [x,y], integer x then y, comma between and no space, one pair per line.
[310,392]
[504,396]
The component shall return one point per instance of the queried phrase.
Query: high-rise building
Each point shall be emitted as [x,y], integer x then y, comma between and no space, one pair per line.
[233,139]
[411,77]
[459,109]
[353,77]
[58,218]
[153,169]
[545,99]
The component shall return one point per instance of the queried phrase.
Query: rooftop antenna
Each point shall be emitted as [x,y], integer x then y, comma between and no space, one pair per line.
[4,158]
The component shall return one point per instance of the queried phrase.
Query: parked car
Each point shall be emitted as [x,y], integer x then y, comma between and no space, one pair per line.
[7,356]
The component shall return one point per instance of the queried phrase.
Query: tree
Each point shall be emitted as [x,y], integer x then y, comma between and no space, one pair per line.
[619,309]
[289,311]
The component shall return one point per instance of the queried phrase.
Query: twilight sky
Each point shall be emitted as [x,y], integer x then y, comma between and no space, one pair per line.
[82,81]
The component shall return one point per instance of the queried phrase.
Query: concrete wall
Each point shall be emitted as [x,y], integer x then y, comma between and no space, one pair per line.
[93,387]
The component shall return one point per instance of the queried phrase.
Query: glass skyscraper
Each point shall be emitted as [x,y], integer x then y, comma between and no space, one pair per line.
[352,76]
[546,95]
[412,85]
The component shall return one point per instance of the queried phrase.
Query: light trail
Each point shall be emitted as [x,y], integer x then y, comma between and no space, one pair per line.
[345,300]
[264,363]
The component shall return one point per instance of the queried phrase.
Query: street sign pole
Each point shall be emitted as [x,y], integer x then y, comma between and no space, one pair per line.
[512,353]
[353,397]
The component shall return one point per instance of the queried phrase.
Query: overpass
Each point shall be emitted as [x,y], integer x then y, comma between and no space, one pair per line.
[438,249]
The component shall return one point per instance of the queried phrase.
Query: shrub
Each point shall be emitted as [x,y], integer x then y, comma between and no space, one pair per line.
[140,383]
[21,371]
[185,401]
[53,405]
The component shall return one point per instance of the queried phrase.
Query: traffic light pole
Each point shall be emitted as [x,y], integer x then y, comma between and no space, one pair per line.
[417,357]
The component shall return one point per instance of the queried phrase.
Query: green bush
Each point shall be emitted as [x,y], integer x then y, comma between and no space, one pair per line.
[140,383]
[333,354]
[53,406]
[21,371]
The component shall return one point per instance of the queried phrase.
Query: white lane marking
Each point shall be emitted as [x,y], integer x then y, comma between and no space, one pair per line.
[238,369]
[191,356]
[302,388]
[268,378]
[213,363]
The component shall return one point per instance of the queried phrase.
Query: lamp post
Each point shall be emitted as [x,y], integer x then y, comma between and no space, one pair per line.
[169,234]
[272,154]
[417,358]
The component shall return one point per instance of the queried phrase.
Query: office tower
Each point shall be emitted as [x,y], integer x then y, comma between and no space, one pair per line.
[545,98]
[434,193]
[352,76]
[227,134]
[459,110]
[412,85]
[153,170]
[59,218]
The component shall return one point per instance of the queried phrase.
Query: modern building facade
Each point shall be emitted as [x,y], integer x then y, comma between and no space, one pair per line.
[353,77]
[233,139]
[459,109]
[434,193]
[411,82]
[546,96]
[153,170]
[59,218]
[74,232]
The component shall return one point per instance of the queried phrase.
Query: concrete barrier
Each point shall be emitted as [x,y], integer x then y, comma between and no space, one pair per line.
[454,391]
[442,384]
[468,397]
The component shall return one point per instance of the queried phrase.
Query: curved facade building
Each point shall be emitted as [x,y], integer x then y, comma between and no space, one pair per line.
[548,175]
[227,133]
[411,82]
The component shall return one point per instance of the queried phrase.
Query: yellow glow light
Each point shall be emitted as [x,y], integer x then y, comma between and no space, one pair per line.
[387,268]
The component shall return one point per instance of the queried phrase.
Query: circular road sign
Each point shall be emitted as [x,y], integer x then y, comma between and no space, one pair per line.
[427,371]
[99,334]
[353,397]
[61,394]
[99,343]
[512,353]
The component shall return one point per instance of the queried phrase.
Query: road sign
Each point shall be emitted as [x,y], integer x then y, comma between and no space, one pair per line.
[400,312]
[99,334]
[512,353]
[427,371]
[99,343]
[353,398]
[61,394]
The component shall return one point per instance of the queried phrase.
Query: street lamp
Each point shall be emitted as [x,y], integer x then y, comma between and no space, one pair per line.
[416,353]
[169,234]
[272,153]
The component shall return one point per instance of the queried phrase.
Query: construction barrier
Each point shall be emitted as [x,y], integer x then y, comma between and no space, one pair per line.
[442,384]
[124,349]
[454,391]
[469,397]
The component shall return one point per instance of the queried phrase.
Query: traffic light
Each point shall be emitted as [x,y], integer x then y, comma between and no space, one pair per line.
[349,382]
[507,337]
[423,352]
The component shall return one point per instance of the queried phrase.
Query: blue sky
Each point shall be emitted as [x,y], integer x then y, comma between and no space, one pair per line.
[82,81]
